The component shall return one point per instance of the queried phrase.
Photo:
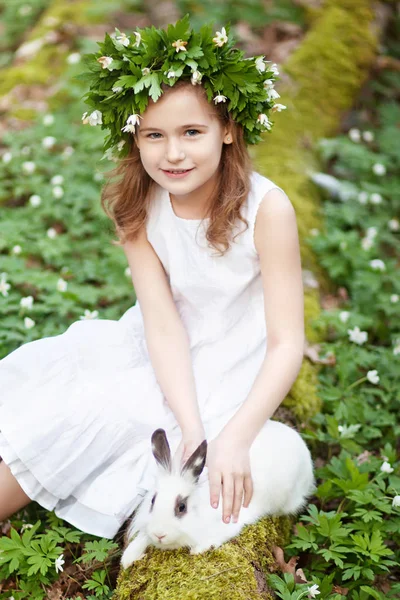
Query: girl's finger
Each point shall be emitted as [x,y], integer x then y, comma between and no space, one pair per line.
[227,497]
[237,501]
[248,490]
[214,478]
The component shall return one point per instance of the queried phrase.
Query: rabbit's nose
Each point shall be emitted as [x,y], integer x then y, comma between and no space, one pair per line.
[160,537]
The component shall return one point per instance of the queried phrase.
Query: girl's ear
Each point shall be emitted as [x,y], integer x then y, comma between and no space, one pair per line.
[228,138]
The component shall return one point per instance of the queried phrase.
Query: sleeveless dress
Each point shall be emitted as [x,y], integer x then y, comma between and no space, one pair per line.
[77,410]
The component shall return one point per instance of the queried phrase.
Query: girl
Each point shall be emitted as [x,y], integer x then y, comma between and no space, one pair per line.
[213,251]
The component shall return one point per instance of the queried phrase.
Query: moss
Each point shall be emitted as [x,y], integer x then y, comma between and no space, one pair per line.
[226,572]
[37,70]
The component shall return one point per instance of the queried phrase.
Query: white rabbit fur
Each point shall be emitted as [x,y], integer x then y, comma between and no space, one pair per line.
[282,473]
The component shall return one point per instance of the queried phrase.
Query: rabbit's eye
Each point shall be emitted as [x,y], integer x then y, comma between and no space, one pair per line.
[153,500]
[182,507]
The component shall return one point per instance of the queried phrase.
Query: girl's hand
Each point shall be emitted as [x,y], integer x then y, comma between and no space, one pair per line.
[229,465]
[188,444]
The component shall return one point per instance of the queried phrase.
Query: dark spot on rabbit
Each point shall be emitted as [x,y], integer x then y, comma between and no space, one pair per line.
[152,501]
[180,506]
[161,450]
[195,463]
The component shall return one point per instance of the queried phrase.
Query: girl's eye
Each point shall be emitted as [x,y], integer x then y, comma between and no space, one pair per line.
[191,130]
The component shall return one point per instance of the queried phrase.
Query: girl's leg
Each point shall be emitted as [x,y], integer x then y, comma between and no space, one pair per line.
[12,496]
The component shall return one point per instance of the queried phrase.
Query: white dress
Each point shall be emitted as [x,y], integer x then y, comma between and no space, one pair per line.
[77,410]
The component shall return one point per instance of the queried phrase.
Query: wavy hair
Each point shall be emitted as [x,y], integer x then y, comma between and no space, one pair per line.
[127,194]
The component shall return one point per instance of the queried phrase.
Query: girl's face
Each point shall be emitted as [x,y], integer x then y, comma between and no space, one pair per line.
[180,131]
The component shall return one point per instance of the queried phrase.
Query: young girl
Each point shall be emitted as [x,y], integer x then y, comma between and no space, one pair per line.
[213,250]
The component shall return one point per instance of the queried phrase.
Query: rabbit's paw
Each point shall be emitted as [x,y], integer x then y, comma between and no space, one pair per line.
[135,551]
[200,548]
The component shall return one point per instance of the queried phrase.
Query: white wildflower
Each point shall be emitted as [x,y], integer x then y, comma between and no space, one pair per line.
[146,71]
[120,145]
[73,58]
[17,250]
[35,200]
[219,98]
[344,316]
[394,225]
[179,45]
[386,467]
[221,38]
[396,350]
[26,302]
[261,64]
[7,157]
[95,118]
[48,142]
[357,336]
[196,77]
[57,180]
[138,38]
[62,285]
[362,197]
[26,526]
[48,120]
[371,232]
[68,151]
[123,39]
[90,315]
[51,233]
[394,298]
[127,272]
[368,136]
[396,501]
[375,198]
[373,376]
[367,243]
[4,286]
[105,61]
[348,430]
[377,264]
[313,590]
[117,89]
[263,119]
[28,167]
[379,169]
[354,135]
[59,563]
[29,323]
[131,122]
[171,74]
[25,10]
[58,192]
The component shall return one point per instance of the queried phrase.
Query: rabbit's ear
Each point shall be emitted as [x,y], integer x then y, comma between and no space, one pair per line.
[195,463]
[161,449]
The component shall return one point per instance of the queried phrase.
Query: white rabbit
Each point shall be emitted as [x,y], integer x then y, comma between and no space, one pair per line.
[178,511]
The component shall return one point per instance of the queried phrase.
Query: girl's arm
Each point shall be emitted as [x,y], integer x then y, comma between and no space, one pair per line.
[276,241]
[166,337]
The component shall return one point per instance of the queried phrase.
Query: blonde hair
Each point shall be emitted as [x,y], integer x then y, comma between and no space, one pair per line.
[126,201]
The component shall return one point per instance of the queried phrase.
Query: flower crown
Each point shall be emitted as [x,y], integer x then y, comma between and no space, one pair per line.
[128,70]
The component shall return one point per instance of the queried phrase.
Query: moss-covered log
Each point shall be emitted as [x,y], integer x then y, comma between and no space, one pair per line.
[323,78]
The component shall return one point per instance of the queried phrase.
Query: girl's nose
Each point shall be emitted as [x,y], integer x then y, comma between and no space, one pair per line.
[174,152]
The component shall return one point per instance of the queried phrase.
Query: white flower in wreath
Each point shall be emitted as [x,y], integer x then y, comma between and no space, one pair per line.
[265,122]
[146,71]
[261,64]
[272,94]
[221,38]
[171,74]
[138,38]
[123,39]
[117,89]
[180,45]
[268,83]
[278,107]
[219,98]
[131,122]
[95,118]
[274,69]
[196,77]
[105,61]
